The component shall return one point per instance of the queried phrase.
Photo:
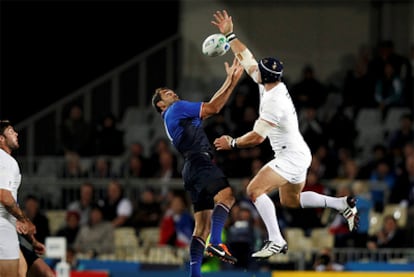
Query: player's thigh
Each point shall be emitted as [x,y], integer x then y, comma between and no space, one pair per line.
[40,269]
[265,181]
[22,265]
[9,267]
[290,195]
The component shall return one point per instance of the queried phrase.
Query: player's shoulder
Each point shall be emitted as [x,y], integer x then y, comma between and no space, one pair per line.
[7,159]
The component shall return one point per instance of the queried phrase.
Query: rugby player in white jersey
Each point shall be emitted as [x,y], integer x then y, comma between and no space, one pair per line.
[292,157]
[12,217]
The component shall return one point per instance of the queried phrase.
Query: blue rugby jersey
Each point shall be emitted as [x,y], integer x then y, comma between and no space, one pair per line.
[184,128]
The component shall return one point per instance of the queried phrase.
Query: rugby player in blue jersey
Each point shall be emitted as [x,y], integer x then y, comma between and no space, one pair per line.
[211,194]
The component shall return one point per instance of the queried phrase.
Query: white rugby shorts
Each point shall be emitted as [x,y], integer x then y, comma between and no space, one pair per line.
[291,165]
[9,242]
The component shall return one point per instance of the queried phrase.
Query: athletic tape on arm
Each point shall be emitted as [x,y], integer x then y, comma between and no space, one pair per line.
[262,128]
[246,59]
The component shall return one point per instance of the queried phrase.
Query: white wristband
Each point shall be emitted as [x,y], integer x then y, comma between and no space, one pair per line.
[230,37]
[233,143]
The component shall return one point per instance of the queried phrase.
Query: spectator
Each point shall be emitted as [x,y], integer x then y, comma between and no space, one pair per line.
[312,128]
[348,168]
[216,126]
[339,226]
[148,212]
[72,167]
[341,131]
[309,91]
[388,89]
[402,68]
[379,152]
[247,121]
[117,207]
[136,149]
[135,168]
[246,95]
[325,261]
[382,173]
[364,204]
[76,133]
[176,227]
[109,139]
[358,89]
[403,189]
[390,236]
[161,145]
[167,169]
[37,217]
[96,237]
[71,227]
[101,168]
[85,202]
[402,135]
[243,237]
[325,162]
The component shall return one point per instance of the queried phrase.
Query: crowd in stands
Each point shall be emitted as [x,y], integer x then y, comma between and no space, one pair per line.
[382,80]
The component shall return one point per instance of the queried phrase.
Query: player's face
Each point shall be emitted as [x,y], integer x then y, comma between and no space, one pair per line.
[9,138]
[168,97]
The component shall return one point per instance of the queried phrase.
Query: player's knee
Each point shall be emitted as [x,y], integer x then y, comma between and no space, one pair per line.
[253,192]
[226,197]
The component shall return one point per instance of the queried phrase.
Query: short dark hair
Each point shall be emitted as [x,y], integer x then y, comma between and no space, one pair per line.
[156,97]
[3,126]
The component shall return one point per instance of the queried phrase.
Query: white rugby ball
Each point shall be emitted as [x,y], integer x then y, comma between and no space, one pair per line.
[215,45]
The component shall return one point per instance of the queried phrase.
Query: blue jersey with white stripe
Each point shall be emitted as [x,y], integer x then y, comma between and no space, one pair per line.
[184,128]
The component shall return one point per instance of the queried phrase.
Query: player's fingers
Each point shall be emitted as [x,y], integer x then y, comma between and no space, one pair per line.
[217,17]
[220,15]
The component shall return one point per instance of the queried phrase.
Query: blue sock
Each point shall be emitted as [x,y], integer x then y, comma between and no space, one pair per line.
[218,219]
[197,247]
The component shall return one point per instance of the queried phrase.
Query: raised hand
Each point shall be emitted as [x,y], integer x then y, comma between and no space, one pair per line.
[223,22]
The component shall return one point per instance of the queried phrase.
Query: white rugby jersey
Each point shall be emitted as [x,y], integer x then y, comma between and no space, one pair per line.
[10,180]
[276,106]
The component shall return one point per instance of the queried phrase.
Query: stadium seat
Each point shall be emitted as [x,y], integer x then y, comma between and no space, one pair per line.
[297,242]
[296,238]
[368,117]
[321,237]
[149,237]
[375,222]
[126,243]
[56,219]
[392,119]
[398,212]
[131,116]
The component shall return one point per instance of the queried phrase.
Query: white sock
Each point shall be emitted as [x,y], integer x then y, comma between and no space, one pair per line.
[310,199]
[267,211]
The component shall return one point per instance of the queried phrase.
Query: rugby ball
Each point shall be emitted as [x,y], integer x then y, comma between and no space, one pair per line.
[215,45]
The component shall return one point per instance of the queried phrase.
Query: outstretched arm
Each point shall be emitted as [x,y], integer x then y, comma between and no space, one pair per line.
[224,23]
[220,98]
[250,139]
[226,142]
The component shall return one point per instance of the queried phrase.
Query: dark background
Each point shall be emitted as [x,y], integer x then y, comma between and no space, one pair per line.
[51,48]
